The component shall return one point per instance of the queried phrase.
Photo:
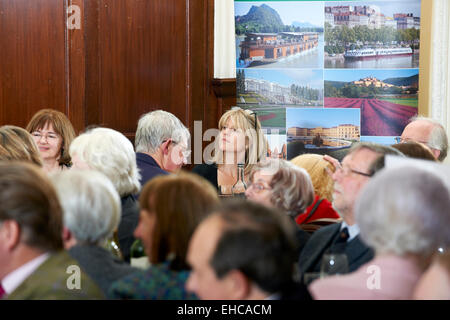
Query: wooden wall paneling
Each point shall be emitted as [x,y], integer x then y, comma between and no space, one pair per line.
[76,66]
[32,58]
[142,60]
[92,62]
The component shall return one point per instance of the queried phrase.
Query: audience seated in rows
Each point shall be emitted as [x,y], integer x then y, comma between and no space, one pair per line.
[435,282]
[171,208]
[281,185]
[240,141]
[244,251]
[53,134]
[343,238]
[400,212]
[161,144]
[318,169]
[91,211]
[429,132]
[111,153]
[33,265]
[17,144]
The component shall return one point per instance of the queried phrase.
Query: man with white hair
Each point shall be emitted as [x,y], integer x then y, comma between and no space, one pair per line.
[161,144]
[428,132]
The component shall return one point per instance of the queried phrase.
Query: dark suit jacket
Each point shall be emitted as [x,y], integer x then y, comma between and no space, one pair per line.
[209,172]
[321,240]
[49,282]
[100,265]
[128,223]
[148,168]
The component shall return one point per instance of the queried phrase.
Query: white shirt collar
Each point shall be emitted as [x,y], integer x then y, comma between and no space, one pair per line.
[15,278]
[353,230]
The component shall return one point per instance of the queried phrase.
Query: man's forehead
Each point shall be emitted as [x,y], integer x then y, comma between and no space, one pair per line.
[361,156]
[418,130]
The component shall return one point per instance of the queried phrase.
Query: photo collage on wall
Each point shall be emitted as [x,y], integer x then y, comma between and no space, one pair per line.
[321,75]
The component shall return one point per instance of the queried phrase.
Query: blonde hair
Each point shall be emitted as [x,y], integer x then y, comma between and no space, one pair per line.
[316,166]
[256,142]
[17,144]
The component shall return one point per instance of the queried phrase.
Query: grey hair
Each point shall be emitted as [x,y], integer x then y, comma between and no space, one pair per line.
[292,188]
[155,127]
[438,137]
[404,211]
[90,203]
[111,153]
[375,147]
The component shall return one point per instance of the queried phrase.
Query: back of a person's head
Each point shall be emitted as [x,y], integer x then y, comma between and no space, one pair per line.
[316,167]
[90,203]
[28,197]
[110,152]
[403,210]
[416,150]
[180,202]
[258,241]
[17,144]
[375,147]
[155,127]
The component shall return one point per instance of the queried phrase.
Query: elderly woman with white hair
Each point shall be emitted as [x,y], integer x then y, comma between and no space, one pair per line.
[91,214]
[403,216]
[111,153]
[281,185]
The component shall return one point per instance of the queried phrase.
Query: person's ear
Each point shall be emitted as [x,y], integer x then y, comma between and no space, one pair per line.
[165,146]
[10,234]
[238,285]
[436,153]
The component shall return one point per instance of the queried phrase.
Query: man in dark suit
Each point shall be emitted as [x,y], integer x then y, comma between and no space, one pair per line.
[161,144]
[244,251]
[349,178]
[33,264]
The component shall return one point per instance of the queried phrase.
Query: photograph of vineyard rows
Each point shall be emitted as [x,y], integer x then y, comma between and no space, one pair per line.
[387,98]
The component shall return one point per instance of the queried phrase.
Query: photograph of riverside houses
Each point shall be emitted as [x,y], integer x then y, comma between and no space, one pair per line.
[273,34]
[293,87]
[372,34]
[322,131]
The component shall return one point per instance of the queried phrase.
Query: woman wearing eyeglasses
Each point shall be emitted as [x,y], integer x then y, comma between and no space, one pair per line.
[240,141]
[280,184]
[53,133]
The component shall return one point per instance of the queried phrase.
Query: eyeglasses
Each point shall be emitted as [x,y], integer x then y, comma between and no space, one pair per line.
[346,171]
[404,140]
[48,136]
[258,187]
[186,153]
